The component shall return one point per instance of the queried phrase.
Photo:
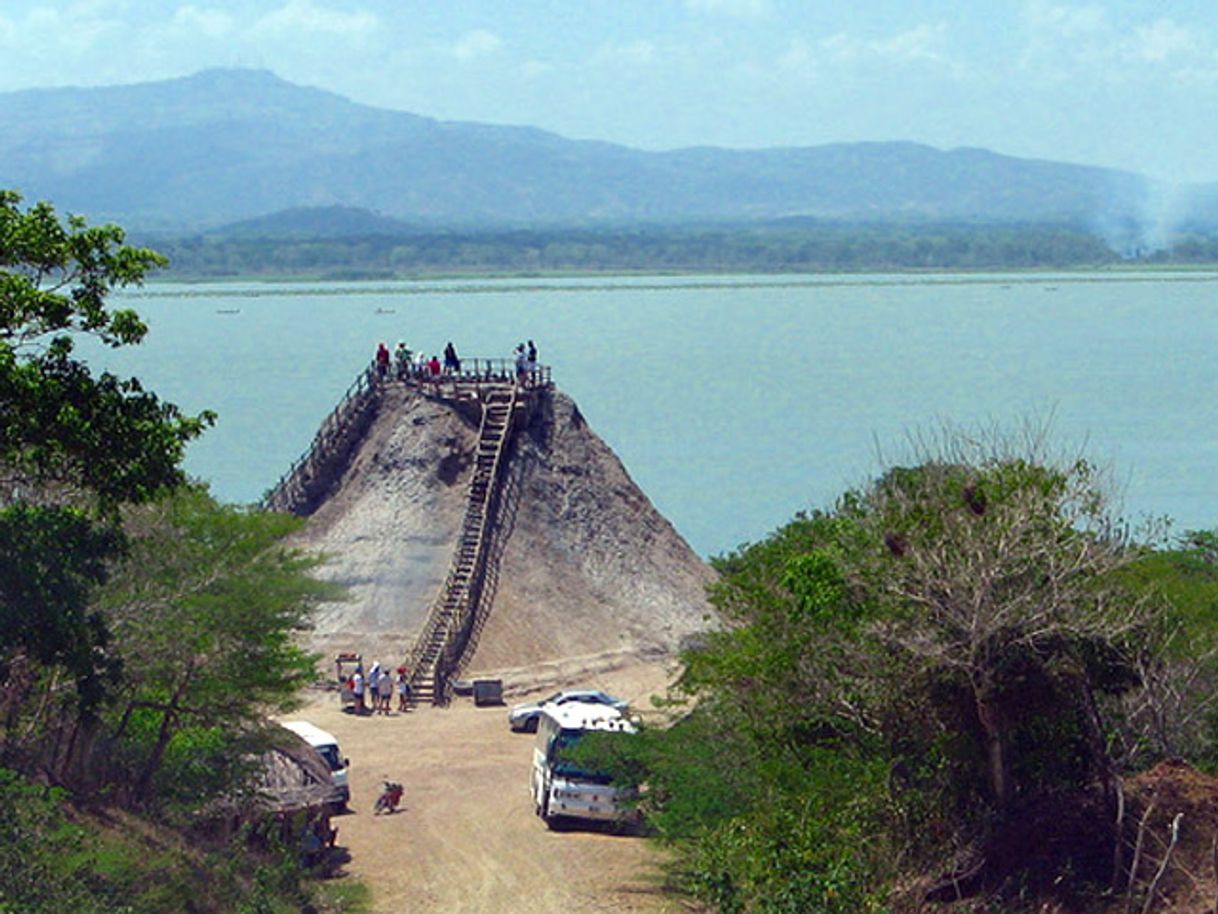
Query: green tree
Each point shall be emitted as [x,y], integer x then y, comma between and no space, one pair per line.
[1175,714]
[205,611]
[74,445]
[998,569]
[932,657]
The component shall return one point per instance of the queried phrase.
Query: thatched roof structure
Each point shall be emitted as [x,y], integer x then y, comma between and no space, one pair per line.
[291,776]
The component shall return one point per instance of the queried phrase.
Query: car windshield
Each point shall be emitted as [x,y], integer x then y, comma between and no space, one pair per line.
[591,698]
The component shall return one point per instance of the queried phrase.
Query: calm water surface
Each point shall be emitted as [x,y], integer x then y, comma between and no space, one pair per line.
[733,401]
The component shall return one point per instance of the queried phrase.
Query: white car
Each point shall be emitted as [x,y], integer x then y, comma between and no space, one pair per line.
[523,717]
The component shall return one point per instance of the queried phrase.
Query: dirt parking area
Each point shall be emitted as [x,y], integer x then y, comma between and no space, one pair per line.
[465,838]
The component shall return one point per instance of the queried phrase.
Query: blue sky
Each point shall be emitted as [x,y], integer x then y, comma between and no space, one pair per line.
[1130,84]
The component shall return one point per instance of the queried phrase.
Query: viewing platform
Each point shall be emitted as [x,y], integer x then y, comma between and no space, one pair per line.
[475,377]
[305,483]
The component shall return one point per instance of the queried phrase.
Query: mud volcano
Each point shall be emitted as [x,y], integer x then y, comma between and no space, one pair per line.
[582,573]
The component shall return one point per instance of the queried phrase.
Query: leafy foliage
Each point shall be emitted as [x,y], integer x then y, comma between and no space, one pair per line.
[59,859]
[154,691]
[1175,714]
[898,680]
[204,613]
[105,435]
[44,600]
[72,446]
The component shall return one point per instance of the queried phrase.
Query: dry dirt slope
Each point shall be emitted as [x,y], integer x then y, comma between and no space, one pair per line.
[591,576]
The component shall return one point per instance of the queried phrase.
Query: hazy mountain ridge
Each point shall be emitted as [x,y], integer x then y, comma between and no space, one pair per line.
[229,145]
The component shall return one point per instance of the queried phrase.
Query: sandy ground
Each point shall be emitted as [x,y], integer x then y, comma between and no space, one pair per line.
[466,839]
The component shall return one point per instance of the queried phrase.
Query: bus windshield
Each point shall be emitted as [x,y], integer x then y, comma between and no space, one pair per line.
[330,754]
[565,767]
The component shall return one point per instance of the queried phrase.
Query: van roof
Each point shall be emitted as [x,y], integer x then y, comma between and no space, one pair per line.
[579,715]
[313,735]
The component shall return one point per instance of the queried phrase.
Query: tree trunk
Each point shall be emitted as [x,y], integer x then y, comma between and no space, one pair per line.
[143,785]
[13,695]
[995,751]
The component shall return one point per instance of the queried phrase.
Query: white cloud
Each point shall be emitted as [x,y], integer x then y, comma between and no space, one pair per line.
[745,9]
[303,17]
[798,60]
[1163,41]
[1066,43]
[202,22]
[631,54]
[1049,21]
[50,33]
[477,43]
[535,69]
[926,43]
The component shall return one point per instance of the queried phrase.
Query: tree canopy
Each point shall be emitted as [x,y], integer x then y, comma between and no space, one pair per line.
[145,630]
[74,444]
[963,651]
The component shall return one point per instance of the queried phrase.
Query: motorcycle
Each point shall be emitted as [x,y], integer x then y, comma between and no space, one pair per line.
[391,796]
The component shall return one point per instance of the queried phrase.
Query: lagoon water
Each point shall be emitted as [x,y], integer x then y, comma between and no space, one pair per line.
[733,401]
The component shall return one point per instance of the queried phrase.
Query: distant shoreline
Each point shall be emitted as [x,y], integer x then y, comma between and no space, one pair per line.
[551,281]
[711,250]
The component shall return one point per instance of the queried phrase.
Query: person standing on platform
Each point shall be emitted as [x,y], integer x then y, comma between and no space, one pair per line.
[452,364]
[401,361]
[382,361]
[522,364]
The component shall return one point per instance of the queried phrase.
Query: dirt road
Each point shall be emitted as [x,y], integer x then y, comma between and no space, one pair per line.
[466,840]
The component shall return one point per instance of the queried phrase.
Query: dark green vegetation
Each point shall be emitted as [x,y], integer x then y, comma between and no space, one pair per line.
[298,247]
[144,629]
[935,688]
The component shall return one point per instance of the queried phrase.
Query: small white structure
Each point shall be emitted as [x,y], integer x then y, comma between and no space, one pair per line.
[560,788]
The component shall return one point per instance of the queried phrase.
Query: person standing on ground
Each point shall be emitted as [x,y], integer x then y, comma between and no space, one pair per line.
[384,693]
[403,690]
[532,362]
[433,368]
[374,680]
[357,687]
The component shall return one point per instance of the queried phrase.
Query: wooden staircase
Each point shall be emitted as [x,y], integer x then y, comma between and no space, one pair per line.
[439,650]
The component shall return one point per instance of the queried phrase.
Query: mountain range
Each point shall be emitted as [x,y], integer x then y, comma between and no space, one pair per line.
[223,146]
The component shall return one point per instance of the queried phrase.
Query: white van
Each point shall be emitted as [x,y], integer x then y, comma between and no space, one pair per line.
[327,747]
[561,789]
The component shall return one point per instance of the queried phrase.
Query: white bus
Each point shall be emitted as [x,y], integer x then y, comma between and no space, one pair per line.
[327,747]
[560,788]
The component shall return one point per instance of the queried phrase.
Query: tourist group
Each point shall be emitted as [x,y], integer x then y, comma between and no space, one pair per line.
[405,365]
